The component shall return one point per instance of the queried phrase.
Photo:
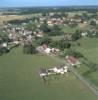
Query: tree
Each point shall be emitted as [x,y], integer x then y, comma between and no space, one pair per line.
[93,23]
[85,16]
[4,50]
[61,44]
[55,31]
[31,26]
[76,35]
[44,40]
[64,44]
[56,15]
[76,54]
[29,49]
[73,24]
[66,15]
[44,27]
[44,14]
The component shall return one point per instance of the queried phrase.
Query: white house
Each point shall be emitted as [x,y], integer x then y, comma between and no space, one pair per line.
[16,42]
[47,50]
[4,45]
[84,34]
[59,70]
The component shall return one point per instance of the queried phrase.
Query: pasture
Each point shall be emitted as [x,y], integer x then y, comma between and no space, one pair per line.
[19,80]
[89,48]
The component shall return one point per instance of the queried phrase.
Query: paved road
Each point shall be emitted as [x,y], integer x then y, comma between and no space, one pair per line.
[81,78]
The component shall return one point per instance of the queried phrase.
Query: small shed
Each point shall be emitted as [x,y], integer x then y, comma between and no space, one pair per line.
[43,72]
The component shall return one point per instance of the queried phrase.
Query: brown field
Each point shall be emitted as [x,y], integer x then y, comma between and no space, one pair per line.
[10,17]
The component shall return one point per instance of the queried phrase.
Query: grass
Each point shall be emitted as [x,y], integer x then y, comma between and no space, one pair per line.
[68,29]
[89,48]
[56,38]
[19,80]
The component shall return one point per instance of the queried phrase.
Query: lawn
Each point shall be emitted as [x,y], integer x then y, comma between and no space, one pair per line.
[19,80]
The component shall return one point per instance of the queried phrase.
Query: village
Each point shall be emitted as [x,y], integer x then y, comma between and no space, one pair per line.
[41,45]
[46,24]
[20,37]
[26,34]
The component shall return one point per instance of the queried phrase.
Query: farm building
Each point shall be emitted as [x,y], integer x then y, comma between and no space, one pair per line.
[59,70]
[72,60]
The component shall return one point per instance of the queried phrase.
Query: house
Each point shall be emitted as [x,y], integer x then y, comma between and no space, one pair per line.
[85,22]
[84,34]
[46,48]
[16,42]
[72,60]
[50,23]
[4,45]
[29,38]
[55,50]
[59,70]
[55,70]
[38,33]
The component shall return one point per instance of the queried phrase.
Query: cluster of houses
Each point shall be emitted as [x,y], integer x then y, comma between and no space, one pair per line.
[59,21]
[55,70]
[90,33]
[19,35]
[71,61]
[54,21]
[46,49]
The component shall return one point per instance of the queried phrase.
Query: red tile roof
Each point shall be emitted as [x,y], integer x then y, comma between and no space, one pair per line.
[72,59]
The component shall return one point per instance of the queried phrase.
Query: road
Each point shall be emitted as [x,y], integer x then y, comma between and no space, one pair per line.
[81,78]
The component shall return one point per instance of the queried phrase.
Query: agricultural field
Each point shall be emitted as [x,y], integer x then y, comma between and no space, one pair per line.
[10,17]
[19,80]
[80,26]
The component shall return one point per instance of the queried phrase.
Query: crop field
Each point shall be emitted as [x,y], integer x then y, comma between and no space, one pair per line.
[10,17]
[19,80]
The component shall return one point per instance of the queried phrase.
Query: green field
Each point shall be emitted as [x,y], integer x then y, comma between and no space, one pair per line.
[68,29]
[56,38]
[89,48]
[19,80]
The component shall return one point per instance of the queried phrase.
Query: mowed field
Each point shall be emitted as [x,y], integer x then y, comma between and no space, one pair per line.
[19,80]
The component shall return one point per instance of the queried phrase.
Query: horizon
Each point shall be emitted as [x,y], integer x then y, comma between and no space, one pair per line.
[51,6]
[46,3]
